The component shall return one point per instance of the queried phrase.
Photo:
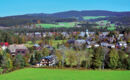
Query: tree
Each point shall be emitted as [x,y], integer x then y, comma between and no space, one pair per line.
[10,64]
[26,59]
[1,70]
[19,61]
[113,59]
[32,60]
[6,63]
[122,63]
[70,58]
[38,56]
[1,57]
[88,58]
[98,58]
[128,63]
[45,52]
[23,39]
[78,58]
[5,36]
[59,57]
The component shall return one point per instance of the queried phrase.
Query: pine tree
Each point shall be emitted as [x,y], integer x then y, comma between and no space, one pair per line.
[32,60]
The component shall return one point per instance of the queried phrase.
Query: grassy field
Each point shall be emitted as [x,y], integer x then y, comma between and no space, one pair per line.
[111,28]
[50,74]
[58,25]
[93,17]
[55,42]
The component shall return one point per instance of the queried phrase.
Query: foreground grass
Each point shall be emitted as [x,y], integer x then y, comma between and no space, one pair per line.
[57,74]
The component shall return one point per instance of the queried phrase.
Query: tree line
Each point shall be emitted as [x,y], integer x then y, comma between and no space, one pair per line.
[94,58]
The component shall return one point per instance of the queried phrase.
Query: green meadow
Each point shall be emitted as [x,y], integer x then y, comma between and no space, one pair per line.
[59,74]
[111,28]
[55,42]
[58,25]
[93,17]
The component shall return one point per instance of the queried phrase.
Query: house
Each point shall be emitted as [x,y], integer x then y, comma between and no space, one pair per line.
[111,46]
[88,46]
[79,42]
[47,61]
[91,33]
[4,45]
[37,34]
[50,34]
[48,47]
[122,44]
[37,47]
[91,42]
[96,45]
[65,34]
[18,49]
[30,34]
[120,36]
[105,33]
[82,34]
[104,44]
[71,41]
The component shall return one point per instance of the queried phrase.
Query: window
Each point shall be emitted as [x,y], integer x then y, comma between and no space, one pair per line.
[23,52]
[18,51]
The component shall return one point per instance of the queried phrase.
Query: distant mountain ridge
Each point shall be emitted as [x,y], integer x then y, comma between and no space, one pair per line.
[56,17]
[90,13]
[74,13]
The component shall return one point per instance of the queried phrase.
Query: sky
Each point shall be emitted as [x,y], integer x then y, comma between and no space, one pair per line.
[20,7]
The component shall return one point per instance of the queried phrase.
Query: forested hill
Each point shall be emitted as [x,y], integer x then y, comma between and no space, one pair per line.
[90,13]
[82,13]
[54,17]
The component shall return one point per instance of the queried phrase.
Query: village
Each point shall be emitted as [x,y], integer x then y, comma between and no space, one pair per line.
[64,40]
[47,43]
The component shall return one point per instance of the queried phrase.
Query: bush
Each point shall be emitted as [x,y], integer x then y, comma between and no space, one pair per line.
[1,70]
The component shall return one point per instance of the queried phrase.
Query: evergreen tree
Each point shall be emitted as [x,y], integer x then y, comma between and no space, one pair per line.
[32,60]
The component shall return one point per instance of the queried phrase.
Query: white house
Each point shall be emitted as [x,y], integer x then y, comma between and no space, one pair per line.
[122,44]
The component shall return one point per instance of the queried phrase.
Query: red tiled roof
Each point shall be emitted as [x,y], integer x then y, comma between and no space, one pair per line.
[4,43]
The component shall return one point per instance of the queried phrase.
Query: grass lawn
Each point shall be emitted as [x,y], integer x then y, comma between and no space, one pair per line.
[50,74]
[58,25]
